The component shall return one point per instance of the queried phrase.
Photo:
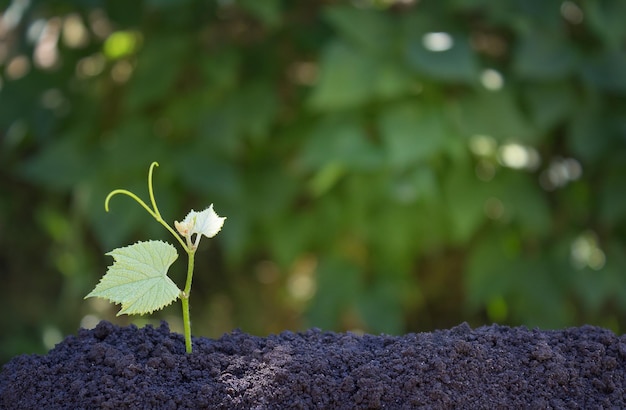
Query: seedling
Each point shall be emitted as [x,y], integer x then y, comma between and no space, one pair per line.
[138,277]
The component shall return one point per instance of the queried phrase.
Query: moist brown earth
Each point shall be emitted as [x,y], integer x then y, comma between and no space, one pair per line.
[111,367]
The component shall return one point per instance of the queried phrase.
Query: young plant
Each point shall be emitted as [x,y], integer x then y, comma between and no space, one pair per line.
[138,277]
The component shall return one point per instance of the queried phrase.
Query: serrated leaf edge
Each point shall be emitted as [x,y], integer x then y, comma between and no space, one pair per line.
[125,305]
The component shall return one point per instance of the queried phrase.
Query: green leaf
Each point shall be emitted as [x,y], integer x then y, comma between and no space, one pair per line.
[590,121]
[268,11]
[138,278]
[606,19]
[612,195]
[544,55]
[465,197]
[259,104]
[60,165]
[346,78]
[487,274]
[369,29]
[392,80]
[167,4]
[380,305]
[411,133]
[342,140]
[537,295]
[456,64]
[497,114]
[418,184]
[606,72]
[338,283]
[155,75]
[550,103]
[523,201]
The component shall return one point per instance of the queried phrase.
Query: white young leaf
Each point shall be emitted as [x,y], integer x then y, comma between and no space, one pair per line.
[138,278]
[206,223]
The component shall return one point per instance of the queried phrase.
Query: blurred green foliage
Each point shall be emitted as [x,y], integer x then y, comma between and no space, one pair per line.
[384,165]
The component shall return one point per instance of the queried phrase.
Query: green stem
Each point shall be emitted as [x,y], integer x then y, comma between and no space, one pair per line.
[184,297]
[190,249]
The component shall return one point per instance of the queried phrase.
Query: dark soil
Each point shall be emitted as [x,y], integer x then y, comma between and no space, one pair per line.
[490,367]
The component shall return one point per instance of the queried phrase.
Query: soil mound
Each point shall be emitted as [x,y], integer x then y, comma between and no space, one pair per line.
[488,367]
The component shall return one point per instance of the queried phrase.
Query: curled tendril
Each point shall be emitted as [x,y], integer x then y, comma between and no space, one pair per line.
[154,211]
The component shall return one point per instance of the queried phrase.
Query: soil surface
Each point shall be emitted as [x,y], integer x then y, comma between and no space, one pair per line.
[490,367]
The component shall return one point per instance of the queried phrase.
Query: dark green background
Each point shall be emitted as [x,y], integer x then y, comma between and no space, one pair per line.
[370,182]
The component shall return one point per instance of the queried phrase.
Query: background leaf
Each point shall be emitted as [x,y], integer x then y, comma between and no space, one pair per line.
[454,64]
[346,78]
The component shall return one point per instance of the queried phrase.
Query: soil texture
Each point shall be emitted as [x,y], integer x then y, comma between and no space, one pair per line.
[111,367]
